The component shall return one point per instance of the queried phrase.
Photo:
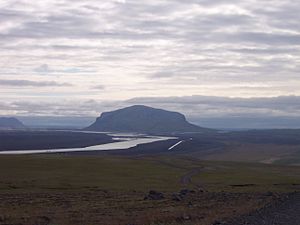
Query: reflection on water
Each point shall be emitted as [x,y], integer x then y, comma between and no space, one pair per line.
[122,143]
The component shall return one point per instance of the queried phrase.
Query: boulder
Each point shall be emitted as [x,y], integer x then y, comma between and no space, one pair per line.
[154,195]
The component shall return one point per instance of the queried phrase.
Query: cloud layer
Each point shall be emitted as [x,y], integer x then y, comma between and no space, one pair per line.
[215,112]
[121,49]
[29,83]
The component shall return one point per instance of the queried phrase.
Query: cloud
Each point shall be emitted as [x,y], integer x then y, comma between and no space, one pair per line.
[99,87]
[213,107]
[68,108]
[246,48]
[224,112]
[43,69]
[210,111]
[29,83]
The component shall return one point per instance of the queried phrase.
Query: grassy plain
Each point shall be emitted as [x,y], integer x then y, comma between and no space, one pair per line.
[50,172]
[71,190]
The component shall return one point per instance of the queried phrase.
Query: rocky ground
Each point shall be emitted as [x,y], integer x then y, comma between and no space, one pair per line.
[100,207]
[284,211]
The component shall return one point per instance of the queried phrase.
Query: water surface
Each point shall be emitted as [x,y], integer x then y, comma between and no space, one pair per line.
[122,143]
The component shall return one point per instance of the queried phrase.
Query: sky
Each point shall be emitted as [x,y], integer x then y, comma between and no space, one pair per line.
[79,58]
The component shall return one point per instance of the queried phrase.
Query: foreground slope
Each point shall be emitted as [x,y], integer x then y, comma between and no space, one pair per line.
[107,190]
[144,119]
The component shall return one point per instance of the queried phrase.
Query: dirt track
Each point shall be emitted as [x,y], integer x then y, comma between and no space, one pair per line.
[187,178]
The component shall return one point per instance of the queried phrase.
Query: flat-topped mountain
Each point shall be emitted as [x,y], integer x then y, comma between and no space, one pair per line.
[10,123]
[143,119]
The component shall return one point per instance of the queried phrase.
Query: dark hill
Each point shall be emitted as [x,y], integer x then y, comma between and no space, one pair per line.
[143,119]
[10,123]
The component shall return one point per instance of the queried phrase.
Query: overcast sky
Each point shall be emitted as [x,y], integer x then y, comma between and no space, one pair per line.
[58,54]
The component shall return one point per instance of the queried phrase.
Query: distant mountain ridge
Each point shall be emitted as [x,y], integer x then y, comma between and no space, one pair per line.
[11,123]
[143,119]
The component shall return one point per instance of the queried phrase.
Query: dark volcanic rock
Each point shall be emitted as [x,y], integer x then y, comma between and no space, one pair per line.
[176,197]
[154,195]
[184,192]
[181,195]
[143,119]
[10,123]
